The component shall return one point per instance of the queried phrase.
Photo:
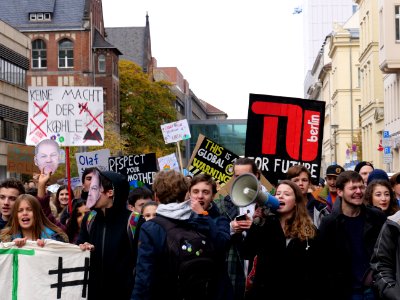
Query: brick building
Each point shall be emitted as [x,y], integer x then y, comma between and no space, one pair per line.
[68,45]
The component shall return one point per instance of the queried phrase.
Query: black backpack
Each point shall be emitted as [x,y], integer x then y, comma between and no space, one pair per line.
[192,259]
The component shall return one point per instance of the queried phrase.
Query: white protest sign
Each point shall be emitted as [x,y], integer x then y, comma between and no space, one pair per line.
[73,116]
[75,182]
[168,162]
[175,131]
[98,159]
[56,271]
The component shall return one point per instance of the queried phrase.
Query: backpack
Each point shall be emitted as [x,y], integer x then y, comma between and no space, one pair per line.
[192,260]
[133,222]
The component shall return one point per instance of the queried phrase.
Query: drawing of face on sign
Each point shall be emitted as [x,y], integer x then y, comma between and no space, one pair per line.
[94,190]
[47,156]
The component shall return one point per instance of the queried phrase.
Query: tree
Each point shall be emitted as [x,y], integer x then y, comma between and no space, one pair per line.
[145,105]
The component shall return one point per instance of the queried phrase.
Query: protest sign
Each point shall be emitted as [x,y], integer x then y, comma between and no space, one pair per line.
[175,131]
[282,132]
[75,182]
[56,271]
[98,159]
[73,116]
[20,159]
[210,158]
[141,167]
[168,162]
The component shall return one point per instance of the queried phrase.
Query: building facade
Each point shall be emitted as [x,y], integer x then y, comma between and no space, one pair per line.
[371,82]
[335,74]
[318,19]
[15,50]
[389,63]
[68,45]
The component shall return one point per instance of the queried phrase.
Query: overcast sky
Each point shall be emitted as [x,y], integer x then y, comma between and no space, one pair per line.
[225,49]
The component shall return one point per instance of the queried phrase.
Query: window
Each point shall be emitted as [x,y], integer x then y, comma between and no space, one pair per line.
[102,63]
[32,17]
[39,55]
[65,54]
[47,16]
[397,19]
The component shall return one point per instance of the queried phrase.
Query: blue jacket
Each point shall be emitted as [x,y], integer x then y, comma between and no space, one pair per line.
[47,233]
[152,274]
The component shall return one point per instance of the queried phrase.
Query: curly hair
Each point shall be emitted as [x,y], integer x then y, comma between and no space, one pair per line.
[40,221]
[170,186]
[299,225]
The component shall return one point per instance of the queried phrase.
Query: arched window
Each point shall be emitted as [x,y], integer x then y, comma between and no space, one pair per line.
[102,63]
[65,54]
[39,54]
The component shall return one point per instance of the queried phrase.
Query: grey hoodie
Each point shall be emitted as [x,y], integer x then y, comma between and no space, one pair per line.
[177,211]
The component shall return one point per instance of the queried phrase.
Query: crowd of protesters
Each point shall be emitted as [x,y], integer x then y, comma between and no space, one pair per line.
[339,240]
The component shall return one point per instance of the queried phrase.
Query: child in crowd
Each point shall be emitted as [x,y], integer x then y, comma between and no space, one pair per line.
[149,210]
[79,209]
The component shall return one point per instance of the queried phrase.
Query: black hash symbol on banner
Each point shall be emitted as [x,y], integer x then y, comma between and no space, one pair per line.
[60,271]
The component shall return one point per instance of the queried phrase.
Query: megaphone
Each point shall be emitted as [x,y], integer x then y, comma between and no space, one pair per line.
[246,189]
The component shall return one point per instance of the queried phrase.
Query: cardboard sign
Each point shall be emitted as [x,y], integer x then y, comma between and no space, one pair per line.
[175,131]
[141,167]
[283,132]
[20,159]
[98,159]
[56,271]
[168,162]
[73,116]
[208,157]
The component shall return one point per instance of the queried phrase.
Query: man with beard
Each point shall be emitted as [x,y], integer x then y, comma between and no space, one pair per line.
[347,238]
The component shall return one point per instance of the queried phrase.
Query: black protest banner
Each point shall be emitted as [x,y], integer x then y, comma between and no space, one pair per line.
[282,132]
[210,158]
[141,167]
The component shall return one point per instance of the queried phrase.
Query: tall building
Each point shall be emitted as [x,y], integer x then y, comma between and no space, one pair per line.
[14,64]
[318,18]
[389,63]
[68,45]
[371,82]
[336,73]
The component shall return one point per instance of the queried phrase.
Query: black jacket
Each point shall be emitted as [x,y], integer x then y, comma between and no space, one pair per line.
[112,261]
[283,271]
[385,261]
[335,249]
[3,223]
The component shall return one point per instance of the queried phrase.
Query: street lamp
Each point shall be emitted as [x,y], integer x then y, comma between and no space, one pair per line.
[335,127]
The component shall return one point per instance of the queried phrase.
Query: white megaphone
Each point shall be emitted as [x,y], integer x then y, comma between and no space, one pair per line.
[246,189]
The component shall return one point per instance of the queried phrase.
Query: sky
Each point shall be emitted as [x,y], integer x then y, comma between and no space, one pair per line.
[225,49]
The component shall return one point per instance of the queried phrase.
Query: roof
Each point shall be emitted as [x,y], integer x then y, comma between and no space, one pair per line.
[130,41]
[100,42]
[212,110]
[66,15]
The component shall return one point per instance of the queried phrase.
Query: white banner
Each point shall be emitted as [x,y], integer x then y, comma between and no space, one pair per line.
[73,116]
[175,131]
[98,159]
[56,271]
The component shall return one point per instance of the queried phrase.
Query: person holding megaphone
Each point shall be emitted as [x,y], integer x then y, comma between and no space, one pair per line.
[284,246]
[240,221]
